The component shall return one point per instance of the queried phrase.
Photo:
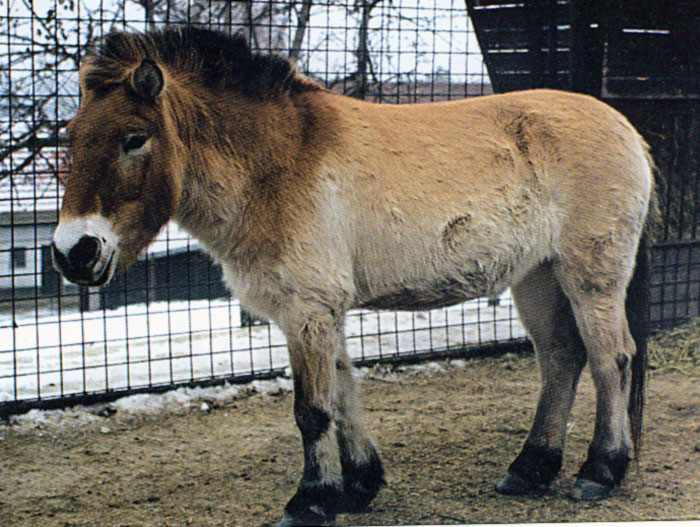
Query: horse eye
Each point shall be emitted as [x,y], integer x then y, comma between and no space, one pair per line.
[134,142]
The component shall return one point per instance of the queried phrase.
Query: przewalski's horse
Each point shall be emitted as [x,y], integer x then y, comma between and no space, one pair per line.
[314,204]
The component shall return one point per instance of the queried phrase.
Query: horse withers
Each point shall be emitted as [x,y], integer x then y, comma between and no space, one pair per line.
[315,204]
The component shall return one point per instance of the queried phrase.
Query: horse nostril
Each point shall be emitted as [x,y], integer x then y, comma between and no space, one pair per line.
[85,253]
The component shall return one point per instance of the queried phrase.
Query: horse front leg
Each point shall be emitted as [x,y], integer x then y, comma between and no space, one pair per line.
[363,473]
[314,344]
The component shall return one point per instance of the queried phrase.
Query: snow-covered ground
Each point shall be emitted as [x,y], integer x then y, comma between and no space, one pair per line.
[49,355]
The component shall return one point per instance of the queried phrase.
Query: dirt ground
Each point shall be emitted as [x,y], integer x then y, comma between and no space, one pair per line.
[446,433]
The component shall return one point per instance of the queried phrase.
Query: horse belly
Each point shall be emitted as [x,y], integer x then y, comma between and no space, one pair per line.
[434,283]
[450,263]
[442,293]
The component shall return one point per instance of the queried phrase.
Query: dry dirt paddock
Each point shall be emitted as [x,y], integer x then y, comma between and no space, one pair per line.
[446,433]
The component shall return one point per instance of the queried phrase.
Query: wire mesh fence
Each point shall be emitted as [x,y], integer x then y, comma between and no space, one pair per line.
[170,320]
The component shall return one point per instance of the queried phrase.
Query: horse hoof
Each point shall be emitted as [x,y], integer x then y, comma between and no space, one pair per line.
[514,485]
[310,519]
[357,502]
[587,490]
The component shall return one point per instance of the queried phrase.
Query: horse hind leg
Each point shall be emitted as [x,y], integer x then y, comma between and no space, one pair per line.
[599,309]
[547,316]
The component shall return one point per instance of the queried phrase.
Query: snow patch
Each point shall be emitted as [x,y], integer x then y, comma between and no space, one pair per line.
[96,417]
[53,421]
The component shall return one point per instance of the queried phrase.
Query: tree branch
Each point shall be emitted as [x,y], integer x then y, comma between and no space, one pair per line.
[303,20]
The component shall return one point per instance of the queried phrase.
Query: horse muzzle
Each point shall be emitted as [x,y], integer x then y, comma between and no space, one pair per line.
[84,251]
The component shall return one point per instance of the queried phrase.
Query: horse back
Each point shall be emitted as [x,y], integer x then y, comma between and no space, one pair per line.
[447,201]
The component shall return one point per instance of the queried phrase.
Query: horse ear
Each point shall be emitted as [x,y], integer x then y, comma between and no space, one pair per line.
[147,79]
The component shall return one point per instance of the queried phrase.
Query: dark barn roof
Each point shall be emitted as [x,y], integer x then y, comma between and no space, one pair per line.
[609,48]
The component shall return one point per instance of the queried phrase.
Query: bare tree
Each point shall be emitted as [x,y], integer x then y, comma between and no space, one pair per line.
[149,9]
[362,54]
[39,87]
[38,83]
[303,16]
[258,21]
[364,80]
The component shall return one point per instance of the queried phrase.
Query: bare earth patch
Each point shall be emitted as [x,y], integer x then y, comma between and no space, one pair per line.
[446,433]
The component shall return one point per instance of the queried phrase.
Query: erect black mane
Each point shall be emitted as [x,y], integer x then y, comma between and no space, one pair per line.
[217,59]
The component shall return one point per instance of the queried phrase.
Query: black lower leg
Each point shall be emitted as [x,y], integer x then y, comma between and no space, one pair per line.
[601,473]
[532,471]
[313,504]
[362,479]
[362,470]
[605,467]
[318,498]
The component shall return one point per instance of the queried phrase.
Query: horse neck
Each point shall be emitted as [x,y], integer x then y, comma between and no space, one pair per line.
[241,163]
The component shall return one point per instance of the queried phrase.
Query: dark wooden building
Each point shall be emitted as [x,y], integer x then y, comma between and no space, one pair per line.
[608,48]
[642,57]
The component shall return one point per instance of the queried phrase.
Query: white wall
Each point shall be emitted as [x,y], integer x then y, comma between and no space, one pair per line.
[30,238]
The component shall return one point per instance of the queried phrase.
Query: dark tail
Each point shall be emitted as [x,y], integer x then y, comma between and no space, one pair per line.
[637,310]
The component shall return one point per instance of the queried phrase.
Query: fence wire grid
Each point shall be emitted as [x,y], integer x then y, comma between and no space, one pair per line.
[169,320]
